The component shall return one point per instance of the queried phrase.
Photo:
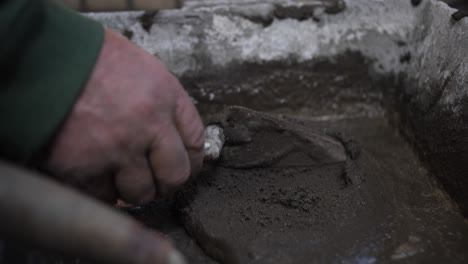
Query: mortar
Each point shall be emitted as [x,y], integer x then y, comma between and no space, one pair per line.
[392,74]
[373,69]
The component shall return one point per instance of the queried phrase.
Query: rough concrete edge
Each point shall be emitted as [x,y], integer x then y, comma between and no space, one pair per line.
[193,40]
[435,96]
[439,46]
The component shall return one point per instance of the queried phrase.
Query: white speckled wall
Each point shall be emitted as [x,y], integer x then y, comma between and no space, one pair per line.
[222,34]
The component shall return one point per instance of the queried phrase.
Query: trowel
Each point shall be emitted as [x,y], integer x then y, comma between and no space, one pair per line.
[236,126]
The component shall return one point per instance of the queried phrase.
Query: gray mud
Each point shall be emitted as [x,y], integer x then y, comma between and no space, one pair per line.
[415,222]
[340,86]
[279,193]
[388,209]
[300,208]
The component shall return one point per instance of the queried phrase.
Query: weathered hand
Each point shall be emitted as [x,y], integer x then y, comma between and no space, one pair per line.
[133,134]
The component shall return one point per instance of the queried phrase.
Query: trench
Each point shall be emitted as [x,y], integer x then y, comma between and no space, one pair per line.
[407,216]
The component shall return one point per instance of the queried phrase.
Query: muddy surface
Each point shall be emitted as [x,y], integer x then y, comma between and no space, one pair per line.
[406,218]
[257,140]
[279,191]
[323,87]
[271,199]
[298,208]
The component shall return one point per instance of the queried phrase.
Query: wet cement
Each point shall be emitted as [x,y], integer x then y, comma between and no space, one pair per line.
[406,218]
[393,212]
[374,204]
[322,87]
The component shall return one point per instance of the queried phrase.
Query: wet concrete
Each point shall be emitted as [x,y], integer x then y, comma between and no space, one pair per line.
[342,85]
[303,214]
[397,213]
[404,215]
[409,218]
[284,191]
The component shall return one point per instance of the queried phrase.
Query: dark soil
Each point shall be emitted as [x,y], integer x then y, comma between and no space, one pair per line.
[339,85]
[280,194]
[376,205]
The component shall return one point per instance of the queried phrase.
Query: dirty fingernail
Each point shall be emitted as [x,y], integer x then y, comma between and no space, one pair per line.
[175,257]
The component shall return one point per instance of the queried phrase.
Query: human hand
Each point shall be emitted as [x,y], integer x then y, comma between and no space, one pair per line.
[133,134]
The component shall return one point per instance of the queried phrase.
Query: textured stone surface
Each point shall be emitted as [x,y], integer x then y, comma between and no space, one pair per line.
[435,95]
[203,37]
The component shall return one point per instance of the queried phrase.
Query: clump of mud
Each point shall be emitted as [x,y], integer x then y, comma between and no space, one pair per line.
[281,193]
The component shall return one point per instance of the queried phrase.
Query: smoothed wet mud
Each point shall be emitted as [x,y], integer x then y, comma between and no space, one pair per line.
[290,212]
[319,176]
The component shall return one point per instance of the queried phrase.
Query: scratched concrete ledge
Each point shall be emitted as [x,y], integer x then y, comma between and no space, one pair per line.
[418,42]
[200,38]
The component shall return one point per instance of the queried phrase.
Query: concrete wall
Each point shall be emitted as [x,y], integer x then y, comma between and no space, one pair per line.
[421,44]
[202,37]
[435,96]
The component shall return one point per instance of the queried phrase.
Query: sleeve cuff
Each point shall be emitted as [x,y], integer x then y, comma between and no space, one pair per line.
[46,81]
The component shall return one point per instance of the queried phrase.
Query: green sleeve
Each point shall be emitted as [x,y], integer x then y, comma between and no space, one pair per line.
[47,53]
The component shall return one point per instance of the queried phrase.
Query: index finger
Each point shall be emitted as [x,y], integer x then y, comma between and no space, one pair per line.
[191,130]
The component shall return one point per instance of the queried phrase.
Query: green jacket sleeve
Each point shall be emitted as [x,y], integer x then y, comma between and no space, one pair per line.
[47,53]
